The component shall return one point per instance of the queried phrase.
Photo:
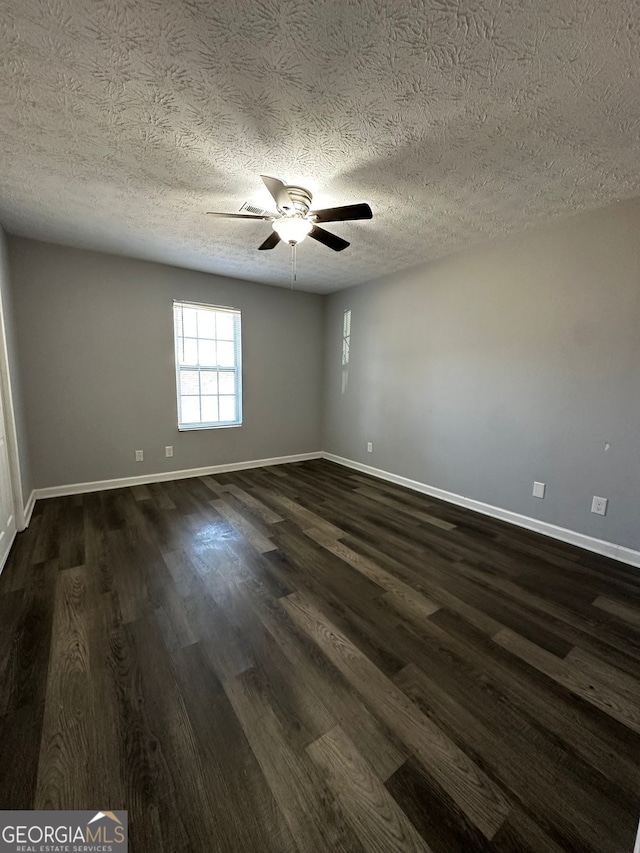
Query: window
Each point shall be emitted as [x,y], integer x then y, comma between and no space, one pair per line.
[346,336]
[208,365]
[346,347]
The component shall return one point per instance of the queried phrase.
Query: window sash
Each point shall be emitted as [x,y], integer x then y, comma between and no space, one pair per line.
[215,357]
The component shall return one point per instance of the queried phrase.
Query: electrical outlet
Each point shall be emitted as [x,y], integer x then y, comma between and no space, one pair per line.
[599,505]
[538,490]
[168,451]
[369,447]
[139,455]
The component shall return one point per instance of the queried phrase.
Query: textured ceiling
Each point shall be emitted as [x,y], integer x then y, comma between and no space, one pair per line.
[122,122]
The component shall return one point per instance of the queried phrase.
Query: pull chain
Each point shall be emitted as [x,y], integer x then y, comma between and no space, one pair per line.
[293,265]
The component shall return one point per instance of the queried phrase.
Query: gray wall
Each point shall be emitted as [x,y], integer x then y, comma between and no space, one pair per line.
[6,298]
[486,371]
[95,338]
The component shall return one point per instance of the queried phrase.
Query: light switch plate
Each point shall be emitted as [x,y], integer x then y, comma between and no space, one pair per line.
[538,490]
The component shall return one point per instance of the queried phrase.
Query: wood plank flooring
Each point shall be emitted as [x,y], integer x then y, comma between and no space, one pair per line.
[302,658]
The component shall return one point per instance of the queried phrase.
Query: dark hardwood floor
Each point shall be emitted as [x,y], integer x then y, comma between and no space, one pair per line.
[303,658]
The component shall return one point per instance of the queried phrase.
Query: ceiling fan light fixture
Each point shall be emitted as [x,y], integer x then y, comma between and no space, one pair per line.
[292,229]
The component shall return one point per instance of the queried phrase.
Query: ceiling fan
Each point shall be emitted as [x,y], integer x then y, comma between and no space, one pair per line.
[295,220]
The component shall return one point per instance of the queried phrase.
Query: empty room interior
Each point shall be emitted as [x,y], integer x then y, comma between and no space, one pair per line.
[320,531]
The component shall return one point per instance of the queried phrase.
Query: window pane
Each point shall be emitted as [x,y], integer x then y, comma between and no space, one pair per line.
[209,410]
[187,351]
[189,327]
[189,383]
[227,408]
[207,351]
[189,410]
[209,382]
[227,382]
[206,323]
[226,354]
[224,322]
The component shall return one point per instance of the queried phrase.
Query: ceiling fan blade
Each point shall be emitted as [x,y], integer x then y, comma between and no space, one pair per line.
[279,192]
[331,240]
[342,214]
[237,215]
[271,241]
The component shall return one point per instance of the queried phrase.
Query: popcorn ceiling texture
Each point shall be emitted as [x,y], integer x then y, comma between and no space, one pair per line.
[123,121]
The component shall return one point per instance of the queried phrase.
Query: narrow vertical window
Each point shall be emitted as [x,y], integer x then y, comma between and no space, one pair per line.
[208,365]
[346,336]
[346,347]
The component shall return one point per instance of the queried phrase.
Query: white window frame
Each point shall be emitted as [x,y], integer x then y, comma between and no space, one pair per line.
[180,366]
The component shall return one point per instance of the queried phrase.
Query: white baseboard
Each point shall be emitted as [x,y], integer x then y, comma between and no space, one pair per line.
[28,509]
[581,540]
[164,476]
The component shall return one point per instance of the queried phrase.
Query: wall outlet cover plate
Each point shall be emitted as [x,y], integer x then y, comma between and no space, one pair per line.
[599,505]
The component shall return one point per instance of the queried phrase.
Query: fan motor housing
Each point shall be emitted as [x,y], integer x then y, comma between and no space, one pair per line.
[300,201]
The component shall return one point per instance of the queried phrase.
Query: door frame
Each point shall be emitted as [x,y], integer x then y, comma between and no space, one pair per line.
[11,431]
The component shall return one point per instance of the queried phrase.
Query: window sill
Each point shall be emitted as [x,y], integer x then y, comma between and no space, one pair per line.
[196,427]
